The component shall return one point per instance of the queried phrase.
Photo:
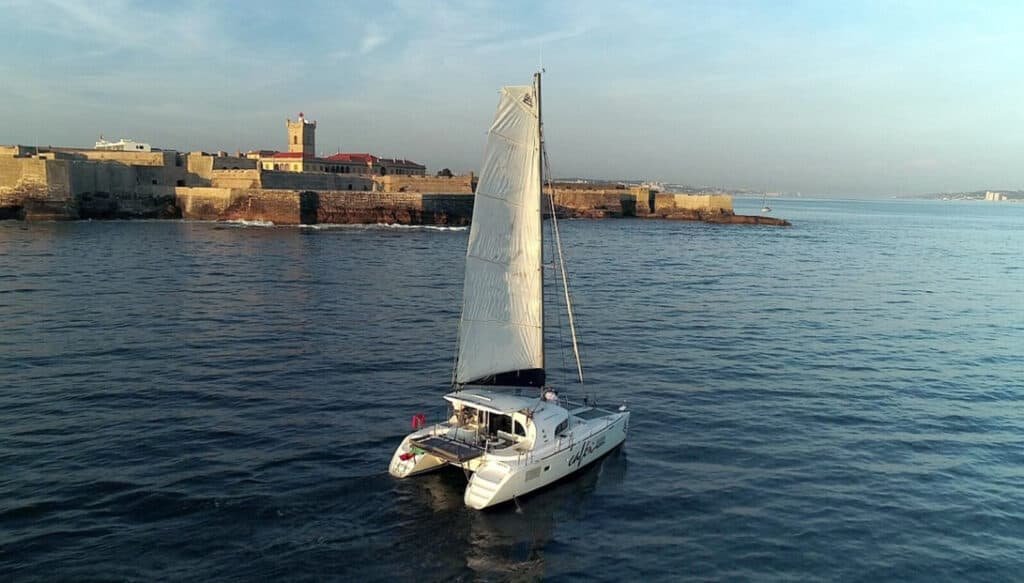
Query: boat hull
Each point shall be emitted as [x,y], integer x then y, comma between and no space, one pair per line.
[406,462]
[498,480]
[502,475]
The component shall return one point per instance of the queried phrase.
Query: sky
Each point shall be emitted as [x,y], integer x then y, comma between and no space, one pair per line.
[822,98]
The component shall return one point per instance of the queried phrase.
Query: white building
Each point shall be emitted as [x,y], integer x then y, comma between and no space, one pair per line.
[123,145]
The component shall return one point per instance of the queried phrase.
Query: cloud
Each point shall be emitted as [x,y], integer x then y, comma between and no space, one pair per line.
[535,41]
[372,39]
[102,28]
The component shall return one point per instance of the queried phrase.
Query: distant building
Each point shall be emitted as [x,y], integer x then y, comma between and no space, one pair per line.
[302,136]
[301,157]
[994,196]
[123,145]
[348,163]
[301,154]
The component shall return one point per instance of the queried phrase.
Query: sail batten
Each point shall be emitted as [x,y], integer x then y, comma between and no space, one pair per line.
[501,328]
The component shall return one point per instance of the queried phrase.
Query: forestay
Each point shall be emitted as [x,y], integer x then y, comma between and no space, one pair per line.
[501,330]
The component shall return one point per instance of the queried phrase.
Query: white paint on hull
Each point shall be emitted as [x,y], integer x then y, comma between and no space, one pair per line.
[500,475]
[500,480]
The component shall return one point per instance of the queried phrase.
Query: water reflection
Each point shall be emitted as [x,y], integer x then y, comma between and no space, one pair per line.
[509,541]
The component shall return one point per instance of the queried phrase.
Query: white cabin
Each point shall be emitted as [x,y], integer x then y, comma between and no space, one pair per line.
[505,421]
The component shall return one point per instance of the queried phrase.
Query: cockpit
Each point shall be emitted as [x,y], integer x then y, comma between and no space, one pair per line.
[495,420]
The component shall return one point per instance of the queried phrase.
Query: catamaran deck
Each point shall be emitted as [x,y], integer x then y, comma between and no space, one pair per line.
[448,449]
[591,413]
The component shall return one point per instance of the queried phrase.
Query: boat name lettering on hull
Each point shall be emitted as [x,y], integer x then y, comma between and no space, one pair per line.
[585,450]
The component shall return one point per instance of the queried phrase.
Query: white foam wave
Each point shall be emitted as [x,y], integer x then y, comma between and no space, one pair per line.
[421,227]
[365,227]
[245,223]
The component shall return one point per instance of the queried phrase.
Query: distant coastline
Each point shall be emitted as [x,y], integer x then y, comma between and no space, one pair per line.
[984,195]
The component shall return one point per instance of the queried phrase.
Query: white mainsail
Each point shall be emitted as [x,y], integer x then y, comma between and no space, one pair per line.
[501,330]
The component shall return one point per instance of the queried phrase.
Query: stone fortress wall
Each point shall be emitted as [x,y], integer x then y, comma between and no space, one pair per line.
[465,184]
[66,183]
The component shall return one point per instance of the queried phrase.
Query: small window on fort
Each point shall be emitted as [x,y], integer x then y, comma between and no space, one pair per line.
[295,139]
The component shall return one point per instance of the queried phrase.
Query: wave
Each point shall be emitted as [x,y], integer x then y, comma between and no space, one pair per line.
[245,223]
[421,227]
[364,227]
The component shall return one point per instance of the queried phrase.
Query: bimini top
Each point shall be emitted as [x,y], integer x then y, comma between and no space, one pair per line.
[493,401]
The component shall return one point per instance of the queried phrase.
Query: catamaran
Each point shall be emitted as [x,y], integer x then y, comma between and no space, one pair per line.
[506,427]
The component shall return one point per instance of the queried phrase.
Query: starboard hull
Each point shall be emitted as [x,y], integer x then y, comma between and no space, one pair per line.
[492,485]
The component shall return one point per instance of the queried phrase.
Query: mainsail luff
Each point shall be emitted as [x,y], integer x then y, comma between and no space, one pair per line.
[540,211]
[501,331]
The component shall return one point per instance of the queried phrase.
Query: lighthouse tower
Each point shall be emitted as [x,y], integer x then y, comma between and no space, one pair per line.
[302,136]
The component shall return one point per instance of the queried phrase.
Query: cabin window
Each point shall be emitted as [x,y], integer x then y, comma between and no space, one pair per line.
[500,423]
[520,430]
[468,416]
[562,427]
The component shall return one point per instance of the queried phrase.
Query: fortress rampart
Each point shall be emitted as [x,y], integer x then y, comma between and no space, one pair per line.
[465,184]
[67,183]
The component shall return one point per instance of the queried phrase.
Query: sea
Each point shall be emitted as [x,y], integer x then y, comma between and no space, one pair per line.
[841,400]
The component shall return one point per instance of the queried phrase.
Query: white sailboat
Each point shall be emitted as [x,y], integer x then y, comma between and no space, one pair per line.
[764,203]
[505,425]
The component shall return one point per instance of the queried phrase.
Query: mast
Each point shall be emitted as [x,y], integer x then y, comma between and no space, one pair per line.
[540,209]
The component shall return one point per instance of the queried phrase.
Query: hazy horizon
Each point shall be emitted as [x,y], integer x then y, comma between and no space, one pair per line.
[859,99]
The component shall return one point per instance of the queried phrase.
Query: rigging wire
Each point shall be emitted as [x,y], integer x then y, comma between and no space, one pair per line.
[561,265]
[561,316]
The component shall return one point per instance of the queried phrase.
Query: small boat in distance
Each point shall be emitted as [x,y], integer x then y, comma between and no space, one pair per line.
[505,427]
[764,204]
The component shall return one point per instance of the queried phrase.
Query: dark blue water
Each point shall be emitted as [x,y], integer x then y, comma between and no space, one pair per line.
[840,400]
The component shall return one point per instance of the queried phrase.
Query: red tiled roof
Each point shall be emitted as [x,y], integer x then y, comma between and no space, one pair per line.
[402,161]
[358,158]
[352,158]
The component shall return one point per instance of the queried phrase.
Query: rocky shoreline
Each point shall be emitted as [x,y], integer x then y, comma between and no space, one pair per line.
[289,207]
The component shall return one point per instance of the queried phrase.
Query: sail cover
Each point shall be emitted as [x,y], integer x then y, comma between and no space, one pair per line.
[501,330]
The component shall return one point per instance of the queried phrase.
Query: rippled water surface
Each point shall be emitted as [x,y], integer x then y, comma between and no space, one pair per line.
[839,400]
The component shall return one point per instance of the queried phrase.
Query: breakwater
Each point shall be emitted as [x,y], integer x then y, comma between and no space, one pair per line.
[296,207]
[293,207]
